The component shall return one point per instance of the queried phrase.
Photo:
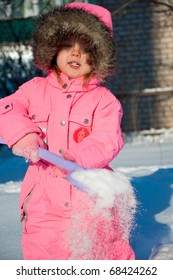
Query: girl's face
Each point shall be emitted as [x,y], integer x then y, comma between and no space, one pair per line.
[72,60]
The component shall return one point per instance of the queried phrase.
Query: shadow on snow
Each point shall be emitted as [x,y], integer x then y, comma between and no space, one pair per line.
[154,193]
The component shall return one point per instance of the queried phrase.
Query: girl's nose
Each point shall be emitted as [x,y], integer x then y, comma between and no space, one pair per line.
[76,52]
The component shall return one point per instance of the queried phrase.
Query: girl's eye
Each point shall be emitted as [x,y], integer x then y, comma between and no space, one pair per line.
[67,46]
[86,50]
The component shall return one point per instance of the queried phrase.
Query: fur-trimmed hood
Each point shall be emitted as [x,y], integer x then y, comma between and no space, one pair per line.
[81,21]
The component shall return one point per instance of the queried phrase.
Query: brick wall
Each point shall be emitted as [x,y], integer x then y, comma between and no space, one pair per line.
[144,82]
[147,110]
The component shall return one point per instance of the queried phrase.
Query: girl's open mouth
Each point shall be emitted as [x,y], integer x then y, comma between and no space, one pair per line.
[74,64]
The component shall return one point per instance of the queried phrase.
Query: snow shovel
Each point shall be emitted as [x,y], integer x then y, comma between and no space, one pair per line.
[105,184]
[60,162]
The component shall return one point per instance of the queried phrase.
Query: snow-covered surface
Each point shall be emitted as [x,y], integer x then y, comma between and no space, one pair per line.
[146,159]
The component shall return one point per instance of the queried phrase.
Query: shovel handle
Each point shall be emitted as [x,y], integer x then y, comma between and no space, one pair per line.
[58,161]
[55,159]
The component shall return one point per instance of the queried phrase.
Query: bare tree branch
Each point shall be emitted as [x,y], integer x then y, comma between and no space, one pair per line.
[123,7]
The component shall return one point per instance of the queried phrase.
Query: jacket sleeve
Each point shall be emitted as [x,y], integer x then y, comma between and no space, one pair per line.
[106,139]
[15,122]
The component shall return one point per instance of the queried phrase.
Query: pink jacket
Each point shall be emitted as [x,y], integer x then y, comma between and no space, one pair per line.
[67,114]
[86,122]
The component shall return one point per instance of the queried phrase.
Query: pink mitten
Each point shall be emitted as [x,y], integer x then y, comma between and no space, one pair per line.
[67,156]
[28,147]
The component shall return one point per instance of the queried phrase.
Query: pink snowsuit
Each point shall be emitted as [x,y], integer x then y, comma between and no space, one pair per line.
[69,117]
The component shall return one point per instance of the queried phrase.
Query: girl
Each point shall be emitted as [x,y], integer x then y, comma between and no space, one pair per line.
[70,114]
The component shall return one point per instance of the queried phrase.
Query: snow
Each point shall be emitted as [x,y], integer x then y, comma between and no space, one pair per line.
[146,160]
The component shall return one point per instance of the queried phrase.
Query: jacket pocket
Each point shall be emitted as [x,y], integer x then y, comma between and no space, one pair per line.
[24,214]
[5,107]
[81,119]
[38,116]
[24,211]
[58,195]
[41,119]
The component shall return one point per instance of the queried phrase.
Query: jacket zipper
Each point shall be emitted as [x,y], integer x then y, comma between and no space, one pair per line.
[24,215]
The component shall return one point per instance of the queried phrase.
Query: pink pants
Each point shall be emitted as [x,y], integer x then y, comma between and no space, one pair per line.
[61,226]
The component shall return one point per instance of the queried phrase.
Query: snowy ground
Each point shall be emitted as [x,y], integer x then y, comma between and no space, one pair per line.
[146,159]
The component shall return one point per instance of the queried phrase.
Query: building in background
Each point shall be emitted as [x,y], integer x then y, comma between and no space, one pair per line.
[144,34]
[144,83]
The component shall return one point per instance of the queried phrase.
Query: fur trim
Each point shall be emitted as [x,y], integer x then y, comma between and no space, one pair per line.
[65,22]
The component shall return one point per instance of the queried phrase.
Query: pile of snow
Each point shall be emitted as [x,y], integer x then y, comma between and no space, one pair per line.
[10,187]
[162,135]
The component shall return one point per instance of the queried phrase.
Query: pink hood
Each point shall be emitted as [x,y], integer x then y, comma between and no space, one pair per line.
[83,22]
[103,14]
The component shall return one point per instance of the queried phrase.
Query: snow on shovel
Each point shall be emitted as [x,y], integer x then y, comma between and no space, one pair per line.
[110,189]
